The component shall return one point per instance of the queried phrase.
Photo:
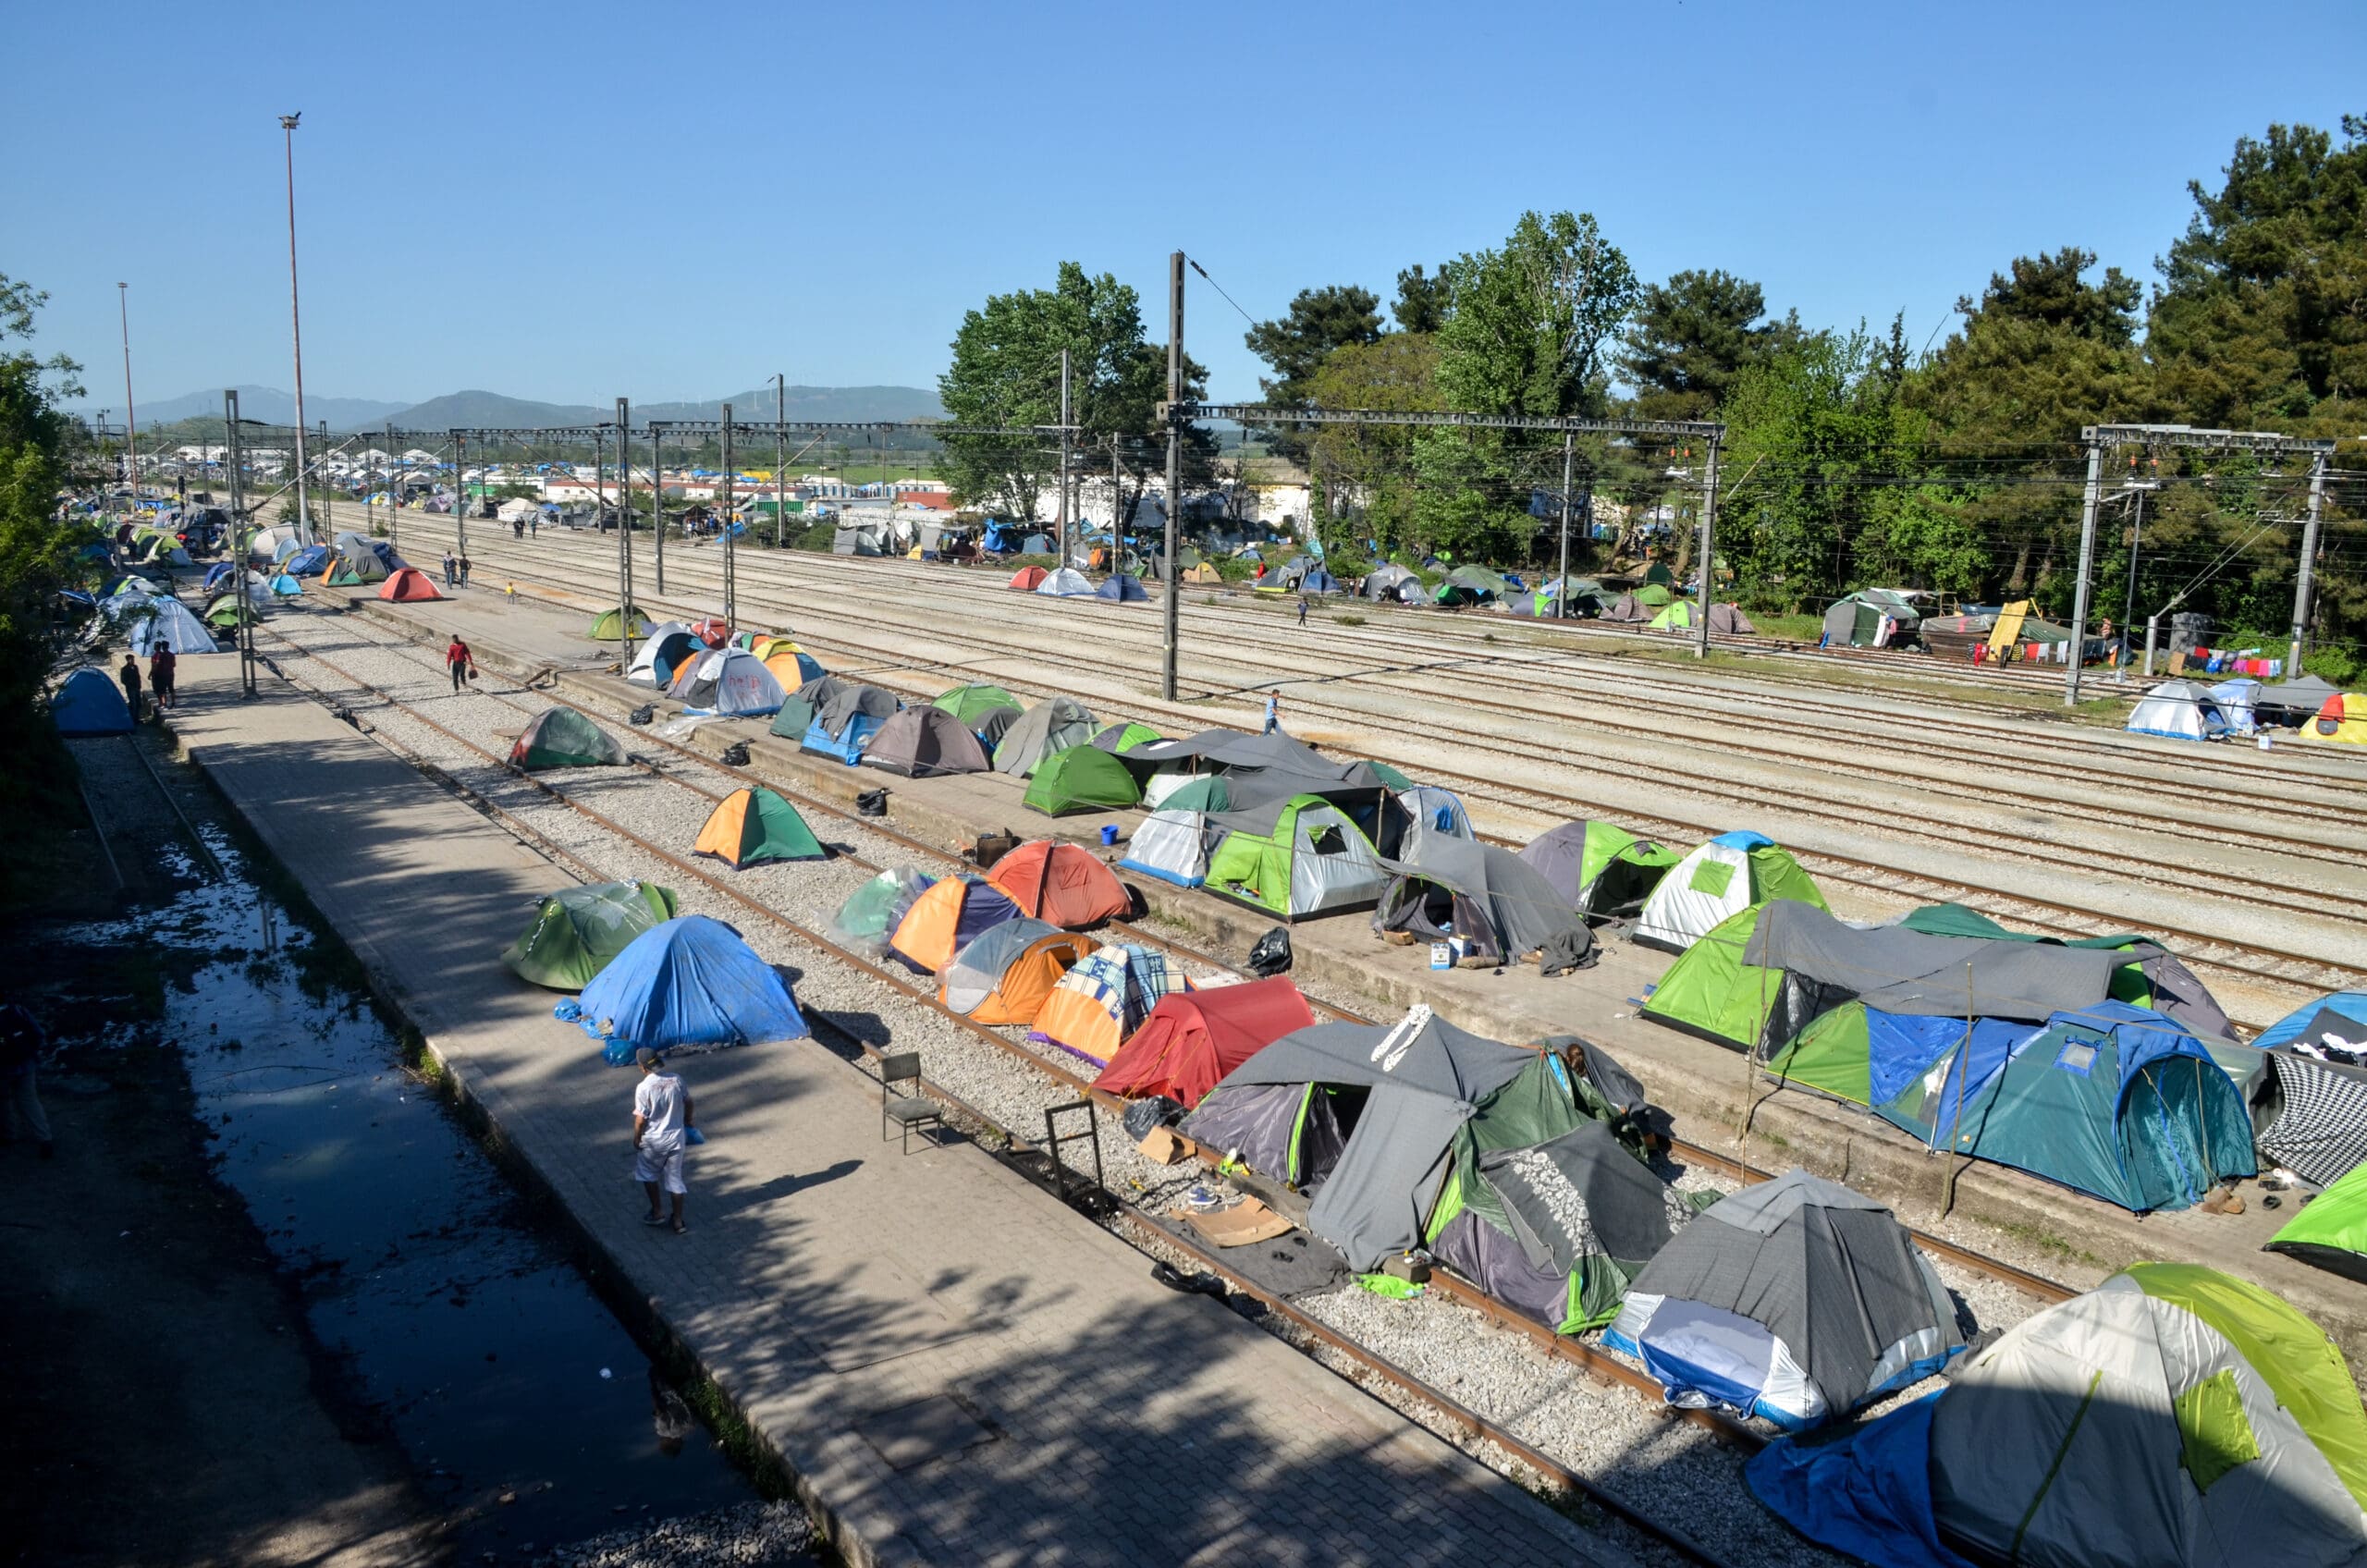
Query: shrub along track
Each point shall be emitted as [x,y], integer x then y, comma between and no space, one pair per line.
[1449,1414]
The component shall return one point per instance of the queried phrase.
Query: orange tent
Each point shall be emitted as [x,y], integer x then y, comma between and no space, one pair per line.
[790,665]
[1106,997]
[1004,976]
[1193,1038]
[408,586]
[948,917]
[1061,883]
[1027,577]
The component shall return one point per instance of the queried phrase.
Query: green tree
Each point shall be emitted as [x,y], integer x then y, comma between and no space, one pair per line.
[1527,332]
[1691,337]
[1005,374]
[1358,472]
[2260,320]
[1421,299]
[37,559]
[1318,320]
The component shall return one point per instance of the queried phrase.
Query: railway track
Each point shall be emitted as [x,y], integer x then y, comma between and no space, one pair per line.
[2249,963]
[1473,1426]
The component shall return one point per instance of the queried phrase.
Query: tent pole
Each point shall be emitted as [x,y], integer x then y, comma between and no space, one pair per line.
[1708,540]
[624,527]
[2087,559]
[1562,588]
[1174,465]
[731,586]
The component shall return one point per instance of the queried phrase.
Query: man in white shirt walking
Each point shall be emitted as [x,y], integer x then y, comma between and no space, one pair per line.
[662,1119]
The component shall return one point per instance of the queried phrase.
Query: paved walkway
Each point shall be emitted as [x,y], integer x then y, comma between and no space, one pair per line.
[960,1368]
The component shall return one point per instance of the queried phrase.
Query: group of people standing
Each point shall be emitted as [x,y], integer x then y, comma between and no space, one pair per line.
[161,665]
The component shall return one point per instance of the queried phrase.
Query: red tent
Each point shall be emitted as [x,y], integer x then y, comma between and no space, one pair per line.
[714,633]
[1193,1038]
[409,585]
[1027,578]
[1061,884]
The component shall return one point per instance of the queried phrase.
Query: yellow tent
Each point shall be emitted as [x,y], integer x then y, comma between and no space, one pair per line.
[2008,630]
[2342,721]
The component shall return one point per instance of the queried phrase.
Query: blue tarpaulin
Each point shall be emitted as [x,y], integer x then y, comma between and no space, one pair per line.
[1867,1494]
[689,982]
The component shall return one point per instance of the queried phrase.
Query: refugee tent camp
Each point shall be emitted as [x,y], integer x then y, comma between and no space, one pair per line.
[1050,726]
[1067,583]
[2298,700]
[2331,1233]
[2309,1102]
[1106,999]
[946,918]
[1796,1299]
[2239,704]
[845,725]
[308,559]
[1598,867]
[728,682]
[1121,588]
[1318,580]
[688,984]
[88,703]
[661,654]
[1629,609]
[2173,1416]
[1191,1039]
[1558,1229]
[1294,857]
[1732,872]
[608,626]
[560,737]
[286,587]
[1390,581]
[577,930]
[1370,1116]
[2342,719]
[1081,779]
[368,562]
[1172,842]
[926,743]
[2180,710]
[1061,883]
[1119,739]
[1006,972]
[409,586]
[1492,905]
[753,826]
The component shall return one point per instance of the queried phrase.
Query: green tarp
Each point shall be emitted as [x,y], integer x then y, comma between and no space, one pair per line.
[2332,1231]
[577,931]
[561,736]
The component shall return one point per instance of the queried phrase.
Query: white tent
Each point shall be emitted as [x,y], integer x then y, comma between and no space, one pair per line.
[657,640]
[1171,846]
[153,620]
[519,511]
[2180,710]
[2238,701]
[1724,876]
[1066,582]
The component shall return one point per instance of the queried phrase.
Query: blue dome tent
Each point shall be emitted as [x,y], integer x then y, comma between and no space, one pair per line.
[89,704]
[690,983]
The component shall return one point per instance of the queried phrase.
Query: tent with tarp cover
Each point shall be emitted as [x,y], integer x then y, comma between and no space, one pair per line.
[873,910]
[560,737]
[1497,904]
[1375,1118]
[2310,1100]
[1600,868]
[577,931]
[2172,1417]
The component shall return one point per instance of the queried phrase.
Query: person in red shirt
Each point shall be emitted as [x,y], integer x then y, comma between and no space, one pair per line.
[160,675]
[462,663]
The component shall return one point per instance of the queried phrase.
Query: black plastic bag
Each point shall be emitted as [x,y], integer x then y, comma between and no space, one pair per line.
[643,714]
[871,803]
[736,755]
[1142,1116]
[1271,956]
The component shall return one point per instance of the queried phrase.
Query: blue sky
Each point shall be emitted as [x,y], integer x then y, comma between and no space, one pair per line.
[576,201]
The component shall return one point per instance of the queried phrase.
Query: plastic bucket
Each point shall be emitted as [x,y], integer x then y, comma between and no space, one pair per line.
[1108,834]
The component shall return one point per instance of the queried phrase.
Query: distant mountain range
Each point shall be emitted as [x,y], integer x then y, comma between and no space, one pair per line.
[494,410]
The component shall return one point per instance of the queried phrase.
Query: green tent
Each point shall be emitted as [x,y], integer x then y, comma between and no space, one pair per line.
[343,576]
[577,931]
[1390,776]
[1711,992]
[754,826]
[1295,858]
[971,704]
[560,737]
[2332,1231]
[1207,793]
[1653,593]
[605,626]
[1123,738]
[869,917]
[223,612]
[1081,779]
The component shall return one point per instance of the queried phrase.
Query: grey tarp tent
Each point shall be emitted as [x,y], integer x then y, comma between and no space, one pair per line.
[1050,726]
[1422,1077]
[847,702]
[1498,904]
[1628,607]
[1388,582]
[926,743]
[2310,1115]
[1796,1300]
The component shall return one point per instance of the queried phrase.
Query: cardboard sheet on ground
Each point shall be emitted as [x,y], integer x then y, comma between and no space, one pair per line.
[1243,1223]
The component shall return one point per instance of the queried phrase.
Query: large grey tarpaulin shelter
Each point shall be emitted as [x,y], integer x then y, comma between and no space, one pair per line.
[1827,962]
[1050,726]
[1422,1078]
[1239,751]
[1796,1300]
[1490,896]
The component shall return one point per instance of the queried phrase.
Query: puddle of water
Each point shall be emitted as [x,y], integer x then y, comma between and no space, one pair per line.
[468,1331]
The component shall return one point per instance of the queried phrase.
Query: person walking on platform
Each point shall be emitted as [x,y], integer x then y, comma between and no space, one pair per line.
[662,1119]
[464,571]
[129,676]
[1273,712]
[451,571]
[162,666]
[462,663]
[1301,609]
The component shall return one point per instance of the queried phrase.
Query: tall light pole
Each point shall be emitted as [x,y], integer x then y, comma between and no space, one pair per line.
[781,455]
[296,319]
[131,411]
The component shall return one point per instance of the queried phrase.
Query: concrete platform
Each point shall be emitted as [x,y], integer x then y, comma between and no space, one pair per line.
[2066,1235]
[957,1368]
